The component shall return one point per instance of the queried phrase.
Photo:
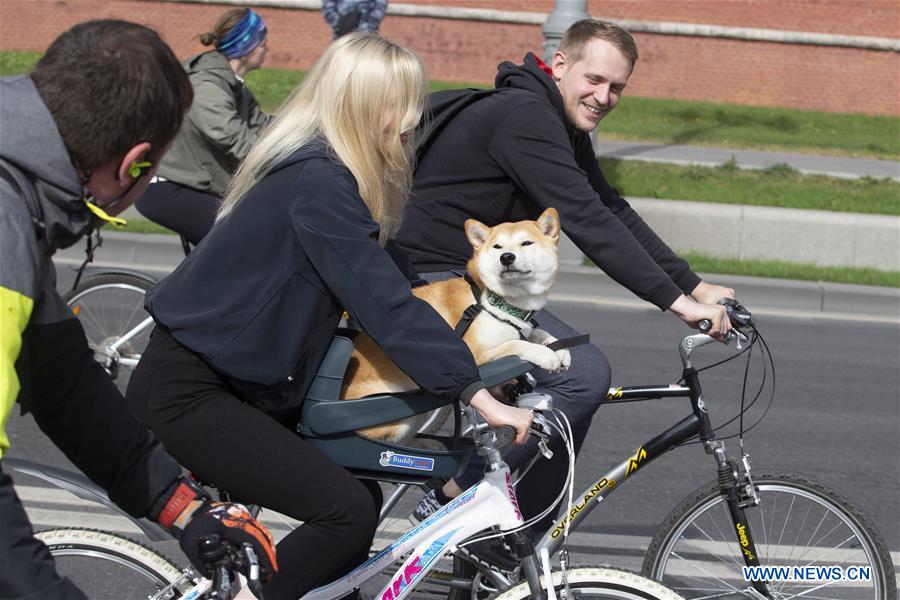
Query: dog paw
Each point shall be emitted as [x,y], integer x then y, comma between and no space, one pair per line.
[565,359]
[545,358]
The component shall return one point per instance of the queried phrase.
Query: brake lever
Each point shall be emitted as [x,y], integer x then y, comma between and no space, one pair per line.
[540,428]
[252,574]
[222,588]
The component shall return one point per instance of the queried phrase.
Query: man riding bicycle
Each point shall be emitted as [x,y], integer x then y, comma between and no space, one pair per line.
[72,154]
[508,156]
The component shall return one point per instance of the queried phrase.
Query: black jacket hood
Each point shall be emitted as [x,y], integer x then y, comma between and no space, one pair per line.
[530,76]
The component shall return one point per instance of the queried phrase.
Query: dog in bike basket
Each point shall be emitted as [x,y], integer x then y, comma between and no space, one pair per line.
[512,268]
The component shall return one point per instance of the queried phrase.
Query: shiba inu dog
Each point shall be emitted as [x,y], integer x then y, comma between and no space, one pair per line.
[513,266]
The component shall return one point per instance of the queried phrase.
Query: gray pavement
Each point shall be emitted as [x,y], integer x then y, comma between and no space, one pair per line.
[834,166]
[156,255]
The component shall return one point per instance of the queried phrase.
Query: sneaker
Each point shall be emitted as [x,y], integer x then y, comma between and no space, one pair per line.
[430,503]
[494,553]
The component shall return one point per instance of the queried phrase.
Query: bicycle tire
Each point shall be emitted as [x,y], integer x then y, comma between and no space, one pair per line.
[598,583]
[109,305]
[108,566]
[695,551]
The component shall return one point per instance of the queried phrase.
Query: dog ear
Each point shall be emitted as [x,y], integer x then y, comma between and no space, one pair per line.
[548,224]
[477,232]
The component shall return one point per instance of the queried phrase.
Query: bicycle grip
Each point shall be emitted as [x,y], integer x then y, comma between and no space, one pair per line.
[504,435]
[704,325]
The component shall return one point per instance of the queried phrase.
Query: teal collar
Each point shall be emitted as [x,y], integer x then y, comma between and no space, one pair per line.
[497,301]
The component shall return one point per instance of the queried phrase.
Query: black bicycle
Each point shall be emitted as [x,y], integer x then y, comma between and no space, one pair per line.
[747,534]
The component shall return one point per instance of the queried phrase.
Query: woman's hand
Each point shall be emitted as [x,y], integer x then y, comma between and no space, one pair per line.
[707,293]
[497,414]
[693,312]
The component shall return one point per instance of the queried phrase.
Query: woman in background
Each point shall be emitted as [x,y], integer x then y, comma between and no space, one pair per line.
[221,127]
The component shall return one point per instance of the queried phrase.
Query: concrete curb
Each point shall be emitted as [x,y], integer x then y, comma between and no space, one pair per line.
[821,238]
[710,156]
[156,255]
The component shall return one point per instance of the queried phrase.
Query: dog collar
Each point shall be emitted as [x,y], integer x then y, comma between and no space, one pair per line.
[499,302]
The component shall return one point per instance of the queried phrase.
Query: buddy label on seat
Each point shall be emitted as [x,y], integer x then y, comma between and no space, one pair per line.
[405,461]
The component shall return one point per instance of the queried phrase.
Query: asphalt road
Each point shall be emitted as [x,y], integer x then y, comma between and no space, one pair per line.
[836,413]
[835,417]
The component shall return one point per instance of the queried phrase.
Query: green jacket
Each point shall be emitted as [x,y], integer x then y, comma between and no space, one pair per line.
[222,125]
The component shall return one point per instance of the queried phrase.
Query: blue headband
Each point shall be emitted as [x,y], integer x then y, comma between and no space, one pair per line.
[241,39]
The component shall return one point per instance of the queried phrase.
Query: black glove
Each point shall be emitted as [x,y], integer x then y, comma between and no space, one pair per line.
[185,510]
[232,523]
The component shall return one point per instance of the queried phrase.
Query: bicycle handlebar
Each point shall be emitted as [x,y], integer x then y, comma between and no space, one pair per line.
[224,560]
[737,313]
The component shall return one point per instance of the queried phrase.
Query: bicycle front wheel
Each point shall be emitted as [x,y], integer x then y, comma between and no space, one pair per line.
[109,306]
[107,566]
[597,583]
[798,523]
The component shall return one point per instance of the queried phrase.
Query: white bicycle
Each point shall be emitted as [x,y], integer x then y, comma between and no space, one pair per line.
[488,509]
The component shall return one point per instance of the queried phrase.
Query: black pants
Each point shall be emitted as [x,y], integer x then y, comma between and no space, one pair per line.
[27,571]
[82,412]
[184,210]
[233,445]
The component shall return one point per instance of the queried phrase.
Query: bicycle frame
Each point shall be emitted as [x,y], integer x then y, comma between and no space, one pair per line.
[695,424]
[491,502]
[114,347]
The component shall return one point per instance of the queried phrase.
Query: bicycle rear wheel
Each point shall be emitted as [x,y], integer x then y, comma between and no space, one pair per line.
[107,566]
[108,306]
[598,583]
[798,523]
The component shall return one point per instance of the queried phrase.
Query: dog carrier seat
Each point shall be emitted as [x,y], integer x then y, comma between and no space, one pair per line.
[329,423]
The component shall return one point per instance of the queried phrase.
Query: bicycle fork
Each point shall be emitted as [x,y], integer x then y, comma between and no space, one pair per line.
[729,479]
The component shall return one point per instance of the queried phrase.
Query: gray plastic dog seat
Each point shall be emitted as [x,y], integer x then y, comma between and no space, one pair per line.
[330,424]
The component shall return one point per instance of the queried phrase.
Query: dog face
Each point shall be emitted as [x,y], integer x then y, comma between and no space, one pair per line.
[515,259]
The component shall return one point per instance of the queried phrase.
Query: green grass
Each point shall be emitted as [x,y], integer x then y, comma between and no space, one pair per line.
[787,270]
[778,185]
[272,86]
[13,62]
[705,123]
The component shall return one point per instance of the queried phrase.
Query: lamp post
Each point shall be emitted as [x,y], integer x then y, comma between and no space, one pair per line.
[565,12]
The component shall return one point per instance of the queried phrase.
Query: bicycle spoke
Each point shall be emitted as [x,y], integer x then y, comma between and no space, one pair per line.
[725,538]
[699,567]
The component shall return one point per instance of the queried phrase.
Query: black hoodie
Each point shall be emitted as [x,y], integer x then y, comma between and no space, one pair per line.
[261,297]
[509,156]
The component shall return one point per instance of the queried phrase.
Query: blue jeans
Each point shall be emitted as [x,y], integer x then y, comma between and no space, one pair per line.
[577,392]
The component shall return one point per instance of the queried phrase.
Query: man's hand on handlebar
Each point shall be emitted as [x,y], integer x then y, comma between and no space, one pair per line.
[497,414]
[708,293]
[692,313]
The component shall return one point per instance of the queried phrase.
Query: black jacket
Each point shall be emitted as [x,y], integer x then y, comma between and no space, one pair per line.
[260,298]
[509,156]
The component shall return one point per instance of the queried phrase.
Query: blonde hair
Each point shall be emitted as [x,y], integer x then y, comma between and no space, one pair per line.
[360,95]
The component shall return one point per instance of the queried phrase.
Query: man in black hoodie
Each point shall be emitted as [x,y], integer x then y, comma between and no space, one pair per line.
[512,154]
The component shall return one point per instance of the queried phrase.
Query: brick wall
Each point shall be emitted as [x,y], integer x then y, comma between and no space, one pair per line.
[755,73]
